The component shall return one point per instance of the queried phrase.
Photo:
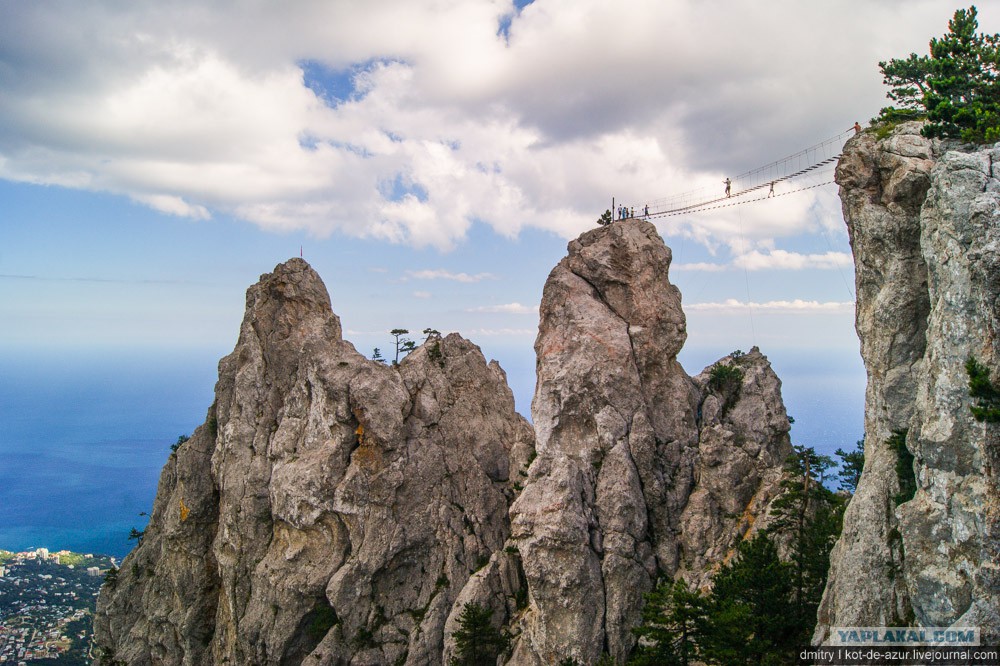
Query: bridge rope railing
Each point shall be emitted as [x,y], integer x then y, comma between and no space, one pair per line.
[808,161]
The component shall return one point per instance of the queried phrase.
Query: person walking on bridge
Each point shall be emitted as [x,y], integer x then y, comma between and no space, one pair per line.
[729,185]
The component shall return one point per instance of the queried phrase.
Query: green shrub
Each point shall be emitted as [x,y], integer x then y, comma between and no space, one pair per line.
[726,380]
[986,395]
[180,440]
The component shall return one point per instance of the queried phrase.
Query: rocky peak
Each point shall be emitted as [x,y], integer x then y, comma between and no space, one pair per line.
[331,508]
[335,510]
[920,536]
[628,484]
[291,304]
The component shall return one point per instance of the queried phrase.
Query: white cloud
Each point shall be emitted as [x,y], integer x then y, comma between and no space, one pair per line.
[507,308]
[702,266]
[500,332]
[172,205]
[422,294]
[200,109]
[442,274]
[782,259]
[797,306]
[772,259]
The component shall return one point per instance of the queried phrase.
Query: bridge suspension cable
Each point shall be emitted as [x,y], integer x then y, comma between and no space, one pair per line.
[746,187]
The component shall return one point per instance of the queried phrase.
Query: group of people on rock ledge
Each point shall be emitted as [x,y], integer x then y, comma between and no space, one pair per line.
[624,212]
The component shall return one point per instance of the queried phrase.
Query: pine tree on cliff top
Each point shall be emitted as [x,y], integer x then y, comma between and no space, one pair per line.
[956,87]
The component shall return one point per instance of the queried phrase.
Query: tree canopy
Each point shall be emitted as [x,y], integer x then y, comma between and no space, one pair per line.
[477,641]
[852,463]
[759,609]
[956,87]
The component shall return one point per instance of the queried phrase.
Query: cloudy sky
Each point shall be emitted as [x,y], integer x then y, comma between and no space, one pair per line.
[430,158]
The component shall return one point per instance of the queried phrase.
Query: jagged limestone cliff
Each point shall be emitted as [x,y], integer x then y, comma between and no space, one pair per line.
[924,223]
[330,509]
[641,470]
[333,510]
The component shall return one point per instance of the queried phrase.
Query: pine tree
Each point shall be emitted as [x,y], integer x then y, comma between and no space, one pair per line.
[957,86]
[987,407]
[672,621]
[477,641]
[809,515]
[403,345]
[752,615]
[851,465]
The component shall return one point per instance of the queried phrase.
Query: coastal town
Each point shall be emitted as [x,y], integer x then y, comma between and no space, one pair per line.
[47,601]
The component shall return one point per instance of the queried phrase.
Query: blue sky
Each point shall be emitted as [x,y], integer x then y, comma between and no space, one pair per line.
[430,159]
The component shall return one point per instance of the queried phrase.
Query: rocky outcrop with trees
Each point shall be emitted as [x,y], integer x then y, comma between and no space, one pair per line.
[337,510]
[642,471]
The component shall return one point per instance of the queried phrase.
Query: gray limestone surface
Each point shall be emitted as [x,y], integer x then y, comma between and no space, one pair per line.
[330,509]
[335,510]
[924,223]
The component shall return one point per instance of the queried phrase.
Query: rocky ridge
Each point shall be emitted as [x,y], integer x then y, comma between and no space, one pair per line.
[334,510]
[923,221]
[642,471]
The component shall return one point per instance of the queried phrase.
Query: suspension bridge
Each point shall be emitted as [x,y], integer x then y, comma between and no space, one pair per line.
[805,170]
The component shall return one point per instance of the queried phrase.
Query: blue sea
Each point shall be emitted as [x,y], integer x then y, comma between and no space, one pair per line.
[83,436]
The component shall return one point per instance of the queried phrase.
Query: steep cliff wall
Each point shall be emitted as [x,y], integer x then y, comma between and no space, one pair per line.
[924,224]
[331,507]
[641,470]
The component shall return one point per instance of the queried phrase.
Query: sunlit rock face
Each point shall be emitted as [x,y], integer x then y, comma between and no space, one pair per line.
[335,510]
[923,221]
[330,509]
[641,469]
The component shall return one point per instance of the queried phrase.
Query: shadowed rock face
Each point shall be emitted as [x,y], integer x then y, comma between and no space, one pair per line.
[331,507]
[923,223]
[641,470]
[334,510]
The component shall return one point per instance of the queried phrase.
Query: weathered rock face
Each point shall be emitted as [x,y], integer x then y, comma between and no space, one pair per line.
[330,509]
[923,223]
[333,510]
[641,470]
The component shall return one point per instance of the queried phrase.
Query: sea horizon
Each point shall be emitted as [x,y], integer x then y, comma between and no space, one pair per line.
[84,436]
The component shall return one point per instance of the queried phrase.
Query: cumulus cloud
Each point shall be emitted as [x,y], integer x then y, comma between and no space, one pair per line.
[507,308]
[410,120]
[797,306]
